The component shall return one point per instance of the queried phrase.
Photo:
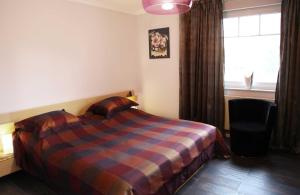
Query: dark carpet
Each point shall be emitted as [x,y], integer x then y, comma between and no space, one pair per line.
[275,174]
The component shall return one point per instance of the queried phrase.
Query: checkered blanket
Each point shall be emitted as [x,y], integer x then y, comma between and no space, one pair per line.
[131,153]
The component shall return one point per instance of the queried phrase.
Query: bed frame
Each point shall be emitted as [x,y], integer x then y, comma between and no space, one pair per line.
[76,107]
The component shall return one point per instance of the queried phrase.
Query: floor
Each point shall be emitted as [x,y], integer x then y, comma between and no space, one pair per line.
[275,174]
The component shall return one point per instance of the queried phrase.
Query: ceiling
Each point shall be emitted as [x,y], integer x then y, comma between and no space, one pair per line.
[126,6]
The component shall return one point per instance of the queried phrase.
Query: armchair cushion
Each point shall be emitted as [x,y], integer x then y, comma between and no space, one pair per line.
[248,126]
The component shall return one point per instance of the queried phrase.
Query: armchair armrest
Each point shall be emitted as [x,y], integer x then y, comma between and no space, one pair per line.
[271,116]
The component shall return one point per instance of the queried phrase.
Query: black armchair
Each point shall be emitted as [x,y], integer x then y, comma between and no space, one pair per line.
[251,124]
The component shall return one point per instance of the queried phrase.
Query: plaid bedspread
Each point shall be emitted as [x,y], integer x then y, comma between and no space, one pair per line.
[131,153]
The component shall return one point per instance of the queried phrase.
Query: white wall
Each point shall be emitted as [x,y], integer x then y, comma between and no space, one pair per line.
[54,50]
[159,77]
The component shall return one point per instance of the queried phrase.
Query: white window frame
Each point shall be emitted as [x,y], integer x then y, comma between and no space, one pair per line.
[238,8]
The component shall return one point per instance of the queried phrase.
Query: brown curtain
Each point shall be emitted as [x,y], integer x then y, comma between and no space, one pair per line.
[287,132]
[202,63]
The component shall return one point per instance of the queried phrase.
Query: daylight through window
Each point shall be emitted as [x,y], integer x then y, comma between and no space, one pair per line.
[252,44]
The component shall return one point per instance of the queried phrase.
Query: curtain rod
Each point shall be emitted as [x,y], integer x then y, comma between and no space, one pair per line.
[250,7]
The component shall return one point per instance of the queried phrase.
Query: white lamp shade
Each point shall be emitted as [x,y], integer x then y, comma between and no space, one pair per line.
[6,143]
[132,98]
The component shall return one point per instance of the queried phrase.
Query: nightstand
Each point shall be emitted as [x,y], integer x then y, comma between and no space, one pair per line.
[7,165]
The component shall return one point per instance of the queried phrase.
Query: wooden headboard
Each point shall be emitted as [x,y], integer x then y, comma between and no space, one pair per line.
[76,107]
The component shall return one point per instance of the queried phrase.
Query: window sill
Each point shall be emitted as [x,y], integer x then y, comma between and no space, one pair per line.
[250,93]
[252,89]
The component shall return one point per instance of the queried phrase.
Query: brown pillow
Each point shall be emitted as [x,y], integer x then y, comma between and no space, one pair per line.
[110,106]
[41,124]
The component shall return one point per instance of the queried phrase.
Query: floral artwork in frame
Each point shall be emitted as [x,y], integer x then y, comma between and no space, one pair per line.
[159,43]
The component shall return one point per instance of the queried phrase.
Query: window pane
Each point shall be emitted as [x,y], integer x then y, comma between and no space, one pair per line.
[257,54]
[233,67]
[231,27]
[249,25]
[267,52]
[270,23]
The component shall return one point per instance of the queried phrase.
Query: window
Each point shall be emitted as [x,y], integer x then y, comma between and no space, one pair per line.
[252,45]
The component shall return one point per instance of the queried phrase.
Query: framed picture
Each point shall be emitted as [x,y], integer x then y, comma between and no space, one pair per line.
[159,43]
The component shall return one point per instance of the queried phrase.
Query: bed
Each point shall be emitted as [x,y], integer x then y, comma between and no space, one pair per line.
[129,153]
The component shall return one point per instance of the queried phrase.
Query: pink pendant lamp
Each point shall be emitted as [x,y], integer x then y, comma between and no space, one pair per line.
[164,7]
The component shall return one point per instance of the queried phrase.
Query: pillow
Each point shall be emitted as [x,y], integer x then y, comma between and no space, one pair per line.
[91,116]
[41,124]
[110,106]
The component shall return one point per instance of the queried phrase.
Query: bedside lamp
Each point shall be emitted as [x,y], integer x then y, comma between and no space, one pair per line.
[6,142]
[131,97]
